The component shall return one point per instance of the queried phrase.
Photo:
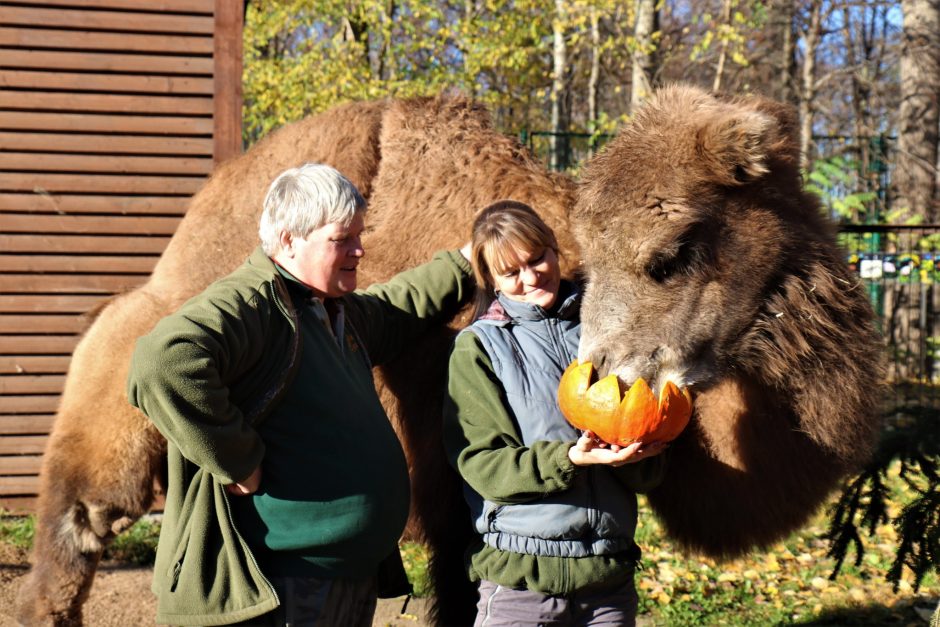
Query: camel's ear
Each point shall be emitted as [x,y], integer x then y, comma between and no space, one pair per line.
[735,145]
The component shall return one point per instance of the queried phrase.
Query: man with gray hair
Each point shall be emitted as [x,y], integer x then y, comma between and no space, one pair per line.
[287,484]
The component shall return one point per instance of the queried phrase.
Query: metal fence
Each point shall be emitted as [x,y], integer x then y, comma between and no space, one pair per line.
[570,150]
[900,268]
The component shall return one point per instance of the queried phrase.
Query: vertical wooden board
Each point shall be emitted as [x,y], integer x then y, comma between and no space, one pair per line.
[228,79]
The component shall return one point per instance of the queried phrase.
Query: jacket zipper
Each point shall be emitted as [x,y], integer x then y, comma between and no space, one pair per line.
[248,551]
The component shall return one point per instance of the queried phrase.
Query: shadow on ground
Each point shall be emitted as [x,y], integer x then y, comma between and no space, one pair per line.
[903,613]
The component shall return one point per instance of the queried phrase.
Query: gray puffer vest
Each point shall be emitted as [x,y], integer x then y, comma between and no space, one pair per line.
[529,350]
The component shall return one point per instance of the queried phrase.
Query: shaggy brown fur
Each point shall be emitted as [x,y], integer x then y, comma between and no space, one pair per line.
[708,264]
[425,166]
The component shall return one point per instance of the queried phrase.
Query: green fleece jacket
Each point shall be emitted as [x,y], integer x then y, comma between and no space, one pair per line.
[209,375]
[483,442]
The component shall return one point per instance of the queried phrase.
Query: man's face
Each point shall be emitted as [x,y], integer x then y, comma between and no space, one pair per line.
[325,260]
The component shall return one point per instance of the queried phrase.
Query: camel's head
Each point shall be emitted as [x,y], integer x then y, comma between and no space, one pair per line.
[686,222]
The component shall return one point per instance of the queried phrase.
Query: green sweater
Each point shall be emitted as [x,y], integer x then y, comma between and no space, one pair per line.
[212,375]
[484,444]
[308,527]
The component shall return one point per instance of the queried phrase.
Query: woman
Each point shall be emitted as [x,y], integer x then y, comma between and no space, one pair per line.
[555,509]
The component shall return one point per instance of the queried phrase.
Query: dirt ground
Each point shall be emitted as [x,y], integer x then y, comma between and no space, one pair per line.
[121,597]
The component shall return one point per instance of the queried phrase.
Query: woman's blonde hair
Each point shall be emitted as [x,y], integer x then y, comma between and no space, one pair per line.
[500,232]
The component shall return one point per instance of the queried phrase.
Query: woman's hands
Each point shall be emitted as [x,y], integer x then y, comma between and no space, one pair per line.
[246,486]
[589,450]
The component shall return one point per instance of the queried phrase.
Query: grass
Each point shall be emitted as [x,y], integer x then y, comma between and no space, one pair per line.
[17,530]
[415,558]
[788,584]
[137,545]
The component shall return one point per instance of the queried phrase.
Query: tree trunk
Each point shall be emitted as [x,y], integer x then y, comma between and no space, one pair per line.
[560,96]
[915,177]
[594,78]
[808,82]
[723,50]
[644,57]
[783,46]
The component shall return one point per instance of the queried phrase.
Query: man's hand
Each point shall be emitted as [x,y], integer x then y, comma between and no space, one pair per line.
[588,451]
[246,486]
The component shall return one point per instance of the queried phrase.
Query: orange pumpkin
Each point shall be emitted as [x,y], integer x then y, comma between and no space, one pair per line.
[639,416]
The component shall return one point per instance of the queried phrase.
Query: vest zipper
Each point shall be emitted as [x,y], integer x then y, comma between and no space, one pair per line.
[556,341]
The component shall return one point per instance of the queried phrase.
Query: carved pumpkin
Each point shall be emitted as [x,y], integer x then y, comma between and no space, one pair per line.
[639,416]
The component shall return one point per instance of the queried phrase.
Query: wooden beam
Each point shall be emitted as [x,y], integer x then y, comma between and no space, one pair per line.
[49,303]
[70,283]
[44,162]
[44,202]
[30,405]
[19,485]
[17,58]
[19,465]
[17,505]
[228,79]
[105,144]
[106,103]
[31,384]
[98,183]
[80,19]
[115,83]
[82,244]
[94,123]
[61,264]
[38,38]
[24,424]
[33,364]
[171,6]
[62,323]
[74,225]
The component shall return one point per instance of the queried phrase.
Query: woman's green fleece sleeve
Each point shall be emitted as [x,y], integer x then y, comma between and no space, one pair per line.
[482,440]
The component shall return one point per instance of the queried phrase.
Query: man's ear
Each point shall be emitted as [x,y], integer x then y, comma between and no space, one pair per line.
[287,243]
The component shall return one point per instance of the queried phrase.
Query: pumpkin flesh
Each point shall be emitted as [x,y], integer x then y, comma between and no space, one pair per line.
[637,416]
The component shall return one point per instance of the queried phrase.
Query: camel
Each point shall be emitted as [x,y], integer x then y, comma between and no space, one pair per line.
[708,264]
[426,166]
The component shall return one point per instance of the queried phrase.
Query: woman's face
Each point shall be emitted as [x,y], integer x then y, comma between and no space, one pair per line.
[533,278]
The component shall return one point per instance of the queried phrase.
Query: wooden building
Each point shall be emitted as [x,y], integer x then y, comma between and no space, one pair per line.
[112,114]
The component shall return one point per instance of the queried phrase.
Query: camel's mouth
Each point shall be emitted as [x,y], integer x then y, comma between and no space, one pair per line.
[657,379]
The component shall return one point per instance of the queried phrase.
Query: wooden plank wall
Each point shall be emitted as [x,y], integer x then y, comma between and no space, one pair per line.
[112,113]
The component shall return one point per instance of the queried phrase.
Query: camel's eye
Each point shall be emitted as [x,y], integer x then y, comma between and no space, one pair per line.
[662,268]
[690,254]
